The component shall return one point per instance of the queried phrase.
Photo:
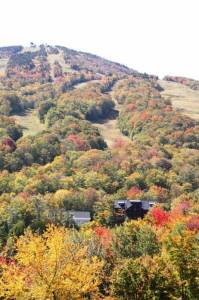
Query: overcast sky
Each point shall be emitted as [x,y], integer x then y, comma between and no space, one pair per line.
[154,36]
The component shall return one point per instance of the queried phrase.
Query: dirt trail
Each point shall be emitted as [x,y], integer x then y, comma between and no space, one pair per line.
[52,58]
[108,128]
[30,122]
[81,85]
[182,97]
[3,66]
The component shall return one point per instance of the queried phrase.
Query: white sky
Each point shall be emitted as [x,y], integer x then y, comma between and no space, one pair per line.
[154,36]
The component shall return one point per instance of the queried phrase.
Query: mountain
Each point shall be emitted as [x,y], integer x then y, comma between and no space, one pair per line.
[38,72]
[34,60]
[85,138]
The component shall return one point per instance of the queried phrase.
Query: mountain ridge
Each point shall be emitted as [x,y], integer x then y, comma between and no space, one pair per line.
[107,66]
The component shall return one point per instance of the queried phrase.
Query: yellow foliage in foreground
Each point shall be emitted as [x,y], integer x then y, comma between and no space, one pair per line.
[51,266]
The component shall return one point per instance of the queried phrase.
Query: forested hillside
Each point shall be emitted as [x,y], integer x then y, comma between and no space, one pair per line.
[77,133]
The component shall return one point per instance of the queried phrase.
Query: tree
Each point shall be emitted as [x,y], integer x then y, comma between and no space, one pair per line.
[160,216]
[183,251]
[51,267]
[134,239]
[145,278]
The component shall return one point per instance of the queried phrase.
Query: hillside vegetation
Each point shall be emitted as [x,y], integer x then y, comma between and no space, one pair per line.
[30,122]
[182,96]
[77,133]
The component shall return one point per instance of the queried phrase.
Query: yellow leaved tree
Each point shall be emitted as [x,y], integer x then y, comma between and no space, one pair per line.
[50,267]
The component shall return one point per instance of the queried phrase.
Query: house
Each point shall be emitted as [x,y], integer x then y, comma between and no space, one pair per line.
[80,217]
[131,209]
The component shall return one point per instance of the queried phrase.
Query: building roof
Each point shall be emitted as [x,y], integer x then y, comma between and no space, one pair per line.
[80,217]
[80,214]
[125,204]
[120,203]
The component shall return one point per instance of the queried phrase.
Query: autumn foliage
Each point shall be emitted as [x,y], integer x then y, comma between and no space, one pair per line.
[44,254]
[51,266]
[160,216]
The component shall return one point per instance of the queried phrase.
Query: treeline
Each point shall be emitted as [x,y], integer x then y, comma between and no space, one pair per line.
[148,116]
[83,103]
[25,59]
[192,83]
[67,134]
[86,61]
[10,50]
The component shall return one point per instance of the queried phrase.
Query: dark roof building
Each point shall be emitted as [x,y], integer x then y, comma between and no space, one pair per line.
[131,209]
